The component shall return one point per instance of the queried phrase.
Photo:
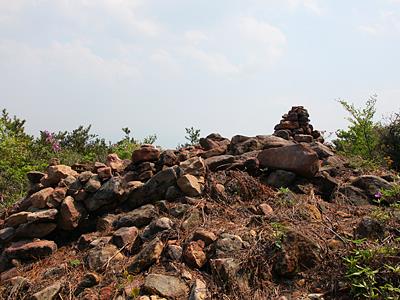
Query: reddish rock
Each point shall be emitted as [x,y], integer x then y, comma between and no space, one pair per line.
[57,197]
[206,236]
[115,163]
[266,209]
[39,199]
[104,173]
[124,236]
[194,255]
[27,250]
[56,173]
[17,219]
[194,166]
[298,158]
[189,185]
[43,215]
[145,153]
[71,213]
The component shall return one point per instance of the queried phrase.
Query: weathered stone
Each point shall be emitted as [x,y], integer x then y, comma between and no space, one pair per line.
[35,176]
[93,184]
[206,236]
[85,240]
[17,219]
[192,221]
[168,158]
[322,150]
[154,189]
[156,226]
[39,199]
[352,195]
[56,197]
[298,158]
[166,286]
[285,134]
[179,210]
[104,173]
[227,244]
[88,280]
[369,228]
[111,192]
[56,173]
[189,185]
[115,163]
[194,166]
[298,253]
[98,257]
[371,184]
[174,252]
[105,223]
[219,162]
[35,230]
[147,256]
[71,183]
[213,141]
[145,153]
[124,236]
[280,178]
[225,269]
[71,212]
[139,217]
[7,233]
[85,176]
[194,255]
[266,209]
[28,250]
[242,144]
[43,215]
[198,291]
[49,293]
[303,138]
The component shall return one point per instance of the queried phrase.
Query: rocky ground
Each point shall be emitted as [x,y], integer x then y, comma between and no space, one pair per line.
[265,217]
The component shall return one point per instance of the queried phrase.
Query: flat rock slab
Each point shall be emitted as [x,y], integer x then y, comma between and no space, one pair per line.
[166,286]
[28,250]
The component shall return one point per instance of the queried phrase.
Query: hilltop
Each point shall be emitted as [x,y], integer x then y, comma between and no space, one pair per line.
[279,216]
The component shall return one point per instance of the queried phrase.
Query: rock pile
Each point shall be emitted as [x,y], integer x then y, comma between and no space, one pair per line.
[153,210]
[296,125]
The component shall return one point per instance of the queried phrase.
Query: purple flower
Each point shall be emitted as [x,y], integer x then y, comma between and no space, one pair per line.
[378,195]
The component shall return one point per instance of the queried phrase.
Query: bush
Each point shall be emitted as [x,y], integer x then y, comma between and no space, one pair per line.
[361,137]
[390,141]
[21,153]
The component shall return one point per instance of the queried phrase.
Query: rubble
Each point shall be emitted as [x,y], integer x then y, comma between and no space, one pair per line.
[191,223]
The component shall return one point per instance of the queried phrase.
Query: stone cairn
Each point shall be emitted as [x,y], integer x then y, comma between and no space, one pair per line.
[296,125]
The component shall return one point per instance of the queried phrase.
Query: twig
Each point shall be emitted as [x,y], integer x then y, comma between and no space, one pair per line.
[116,253]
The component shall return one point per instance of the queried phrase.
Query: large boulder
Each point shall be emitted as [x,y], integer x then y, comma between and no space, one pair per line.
[194,166]
[155,188]
[241,144]
[139,217]
[298,158]
[189,185]
[35,230]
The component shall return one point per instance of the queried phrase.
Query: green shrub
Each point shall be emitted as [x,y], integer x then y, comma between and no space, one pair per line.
[372,272]
[361,137]
[390,141]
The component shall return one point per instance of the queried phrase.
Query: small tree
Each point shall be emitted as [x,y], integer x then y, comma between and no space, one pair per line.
[361,137]
[193,136]
[390,141]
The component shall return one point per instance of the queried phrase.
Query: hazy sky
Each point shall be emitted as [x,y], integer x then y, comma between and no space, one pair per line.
[228,66]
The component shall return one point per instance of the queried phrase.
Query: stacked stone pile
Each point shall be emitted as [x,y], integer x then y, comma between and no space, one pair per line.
[296,125]
[141,206]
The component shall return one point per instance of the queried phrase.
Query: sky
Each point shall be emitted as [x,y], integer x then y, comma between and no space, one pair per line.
[227,66]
